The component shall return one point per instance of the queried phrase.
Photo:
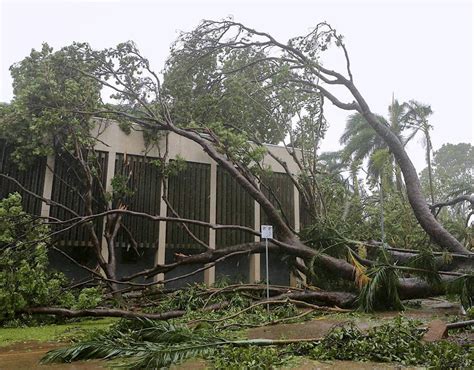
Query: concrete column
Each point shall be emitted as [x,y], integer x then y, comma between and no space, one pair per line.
[160,253]
[295,279]
[108,187]
[48,185]
[255,258]
[110,171]
[296,200]
[210,273]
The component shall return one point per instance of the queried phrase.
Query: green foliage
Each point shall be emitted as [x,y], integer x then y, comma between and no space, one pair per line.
[251,357]
[144,344]
[171,168]
[359,139]
[355,213]
[120,188]
[145,355]
[200,97]
[452,171]
[399,341]
[470,312]
[25,279]
[231,97]
[148,344]
[464,287]
[50,94]
[381,289]
[88,298]
[236,146]
[400,225]
[241,95]
[425,260]
[453,175]
[190,298]
[362,142]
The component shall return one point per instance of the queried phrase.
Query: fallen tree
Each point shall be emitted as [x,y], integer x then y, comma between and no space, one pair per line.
[294,83]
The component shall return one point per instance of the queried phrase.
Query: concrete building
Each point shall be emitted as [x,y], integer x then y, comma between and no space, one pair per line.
[202,191]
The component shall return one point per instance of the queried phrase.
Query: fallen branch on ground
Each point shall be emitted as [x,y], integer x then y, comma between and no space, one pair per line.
[339,299]
[111,312]
[460,324]
[270,302]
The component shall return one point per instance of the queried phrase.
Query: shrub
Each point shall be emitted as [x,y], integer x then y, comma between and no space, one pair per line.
[25,277]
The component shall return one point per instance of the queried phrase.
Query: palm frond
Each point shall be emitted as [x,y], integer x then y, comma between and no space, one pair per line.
[165,332]
[381,290]
[97,349]
[425,261]
[136,355]
[464,287]
[360,277]
[152,356]
[141,342]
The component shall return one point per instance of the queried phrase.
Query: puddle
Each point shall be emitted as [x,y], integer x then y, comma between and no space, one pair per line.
[304,330]
[26,356]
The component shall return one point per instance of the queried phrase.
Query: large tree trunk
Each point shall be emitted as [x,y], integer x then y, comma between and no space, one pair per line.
[415,195]
[292,245]
[430,173]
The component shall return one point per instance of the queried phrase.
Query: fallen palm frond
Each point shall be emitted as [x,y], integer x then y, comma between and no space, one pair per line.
[380,290]
[464,286]
[142,344]
[135,355]
[158,354]
[98,349]
[360,277]
[425,264]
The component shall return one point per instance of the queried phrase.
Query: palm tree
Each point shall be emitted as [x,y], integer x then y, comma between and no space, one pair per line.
[362,142]
[416,118]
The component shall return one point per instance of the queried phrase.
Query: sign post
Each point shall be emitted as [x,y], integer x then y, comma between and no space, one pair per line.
[267,233]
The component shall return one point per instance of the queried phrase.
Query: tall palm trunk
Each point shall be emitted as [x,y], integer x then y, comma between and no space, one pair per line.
[399,181]
[428,162]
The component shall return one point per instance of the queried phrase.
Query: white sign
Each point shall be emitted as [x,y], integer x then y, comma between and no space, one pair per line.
[267,231]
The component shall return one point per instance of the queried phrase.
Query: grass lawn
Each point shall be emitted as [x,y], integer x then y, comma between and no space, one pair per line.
[52,333]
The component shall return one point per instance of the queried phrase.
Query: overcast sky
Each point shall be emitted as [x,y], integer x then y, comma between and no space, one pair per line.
[415,49]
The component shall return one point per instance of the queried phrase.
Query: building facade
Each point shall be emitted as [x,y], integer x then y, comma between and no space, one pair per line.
[202,191]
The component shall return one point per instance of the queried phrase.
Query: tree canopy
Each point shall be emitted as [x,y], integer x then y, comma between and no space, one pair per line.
[453,171]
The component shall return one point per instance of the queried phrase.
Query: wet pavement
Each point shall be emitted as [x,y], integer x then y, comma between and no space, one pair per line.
[26,356]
